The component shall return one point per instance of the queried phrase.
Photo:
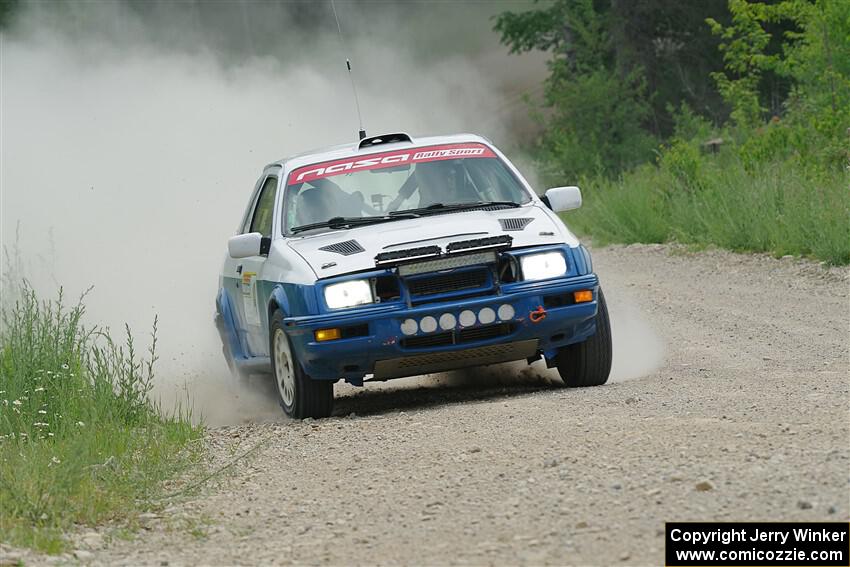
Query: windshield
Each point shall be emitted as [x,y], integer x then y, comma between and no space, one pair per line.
[393,182]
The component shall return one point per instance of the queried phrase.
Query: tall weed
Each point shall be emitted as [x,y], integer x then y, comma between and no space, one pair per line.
[766,206]
[80,441]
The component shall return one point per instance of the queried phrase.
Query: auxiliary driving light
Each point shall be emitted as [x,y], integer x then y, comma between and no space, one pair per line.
[428,324]
[506,312]
[486,316]
[467,318]
[409,327]
[447,321]
[327,334]
[583,296]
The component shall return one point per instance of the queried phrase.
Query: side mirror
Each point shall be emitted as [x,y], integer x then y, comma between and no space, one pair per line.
[563,198]
[244,245]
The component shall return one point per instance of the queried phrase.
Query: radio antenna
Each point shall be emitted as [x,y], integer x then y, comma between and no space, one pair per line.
[362,132]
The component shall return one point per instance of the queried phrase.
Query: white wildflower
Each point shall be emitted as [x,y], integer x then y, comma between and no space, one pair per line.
[16,402]
[65,367]
[80,424]
[49,434]
[42,412]
[39,389]
[54,460]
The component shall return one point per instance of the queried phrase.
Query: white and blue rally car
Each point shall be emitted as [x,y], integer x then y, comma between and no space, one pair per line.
[398,256]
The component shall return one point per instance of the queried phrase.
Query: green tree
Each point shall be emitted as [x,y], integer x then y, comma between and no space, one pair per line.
[814,57]
[593,113]
[670,41]
[617,68]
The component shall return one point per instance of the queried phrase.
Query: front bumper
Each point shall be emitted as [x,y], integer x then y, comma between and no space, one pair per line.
[385,351]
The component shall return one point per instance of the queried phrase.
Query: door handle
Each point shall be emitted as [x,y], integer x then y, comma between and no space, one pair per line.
[239,269]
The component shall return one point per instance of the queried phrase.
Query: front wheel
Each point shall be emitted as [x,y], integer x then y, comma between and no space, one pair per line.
[588,363]
[299,395]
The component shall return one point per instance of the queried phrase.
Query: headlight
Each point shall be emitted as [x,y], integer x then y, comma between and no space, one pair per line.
[543,266]
[348,294]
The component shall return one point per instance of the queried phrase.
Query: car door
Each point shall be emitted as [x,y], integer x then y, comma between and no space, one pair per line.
[231,275]
[249,297]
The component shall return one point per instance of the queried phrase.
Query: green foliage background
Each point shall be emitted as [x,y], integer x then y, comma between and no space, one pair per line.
[703,122]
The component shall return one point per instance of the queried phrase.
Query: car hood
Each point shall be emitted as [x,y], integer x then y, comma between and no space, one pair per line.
[332,254]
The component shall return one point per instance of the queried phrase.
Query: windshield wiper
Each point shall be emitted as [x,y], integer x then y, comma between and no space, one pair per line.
[348,222]
[445,207]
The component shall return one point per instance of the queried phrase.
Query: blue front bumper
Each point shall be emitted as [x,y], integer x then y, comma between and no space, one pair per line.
[382,338]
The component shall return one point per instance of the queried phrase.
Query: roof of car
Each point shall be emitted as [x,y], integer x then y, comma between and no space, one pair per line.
[352,149]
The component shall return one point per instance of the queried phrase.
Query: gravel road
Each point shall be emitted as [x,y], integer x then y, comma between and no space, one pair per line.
[744,417]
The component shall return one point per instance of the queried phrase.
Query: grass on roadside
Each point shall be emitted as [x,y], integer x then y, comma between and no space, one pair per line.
[775,207]
[80,441]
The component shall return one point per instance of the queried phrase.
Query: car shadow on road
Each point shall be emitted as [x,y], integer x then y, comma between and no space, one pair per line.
[421,392]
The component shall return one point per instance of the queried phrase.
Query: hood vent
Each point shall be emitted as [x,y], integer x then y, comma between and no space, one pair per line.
[515,223]
[346,248]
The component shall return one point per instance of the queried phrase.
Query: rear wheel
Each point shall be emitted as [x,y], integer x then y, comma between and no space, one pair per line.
[588,363]
[300,396]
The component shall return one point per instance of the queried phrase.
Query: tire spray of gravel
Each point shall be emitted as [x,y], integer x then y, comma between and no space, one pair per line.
[132,136]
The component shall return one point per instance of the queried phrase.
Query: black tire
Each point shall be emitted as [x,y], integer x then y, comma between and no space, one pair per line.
[302,396]
[588,363]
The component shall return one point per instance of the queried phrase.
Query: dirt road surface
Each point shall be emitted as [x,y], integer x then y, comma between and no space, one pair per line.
[745,418]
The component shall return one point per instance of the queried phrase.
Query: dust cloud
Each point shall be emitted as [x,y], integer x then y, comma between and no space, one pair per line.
[132,139]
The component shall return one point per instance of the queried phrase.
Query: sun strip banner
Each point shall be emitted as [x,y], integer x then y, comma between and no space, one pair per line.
[388,159]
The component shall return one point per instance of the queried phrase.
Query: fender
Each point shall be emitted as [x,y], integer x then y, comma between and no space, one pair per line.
[277,300]
[581,257]
[226,324]
[294,300]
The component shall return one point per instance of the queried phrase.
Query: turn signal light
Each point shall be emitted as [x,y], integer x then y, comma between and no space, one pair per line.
[327,334]
[583,296]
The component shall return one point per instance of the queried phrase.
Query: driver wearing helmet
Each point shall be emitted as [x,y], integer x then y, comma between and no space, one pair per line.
[438,182]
